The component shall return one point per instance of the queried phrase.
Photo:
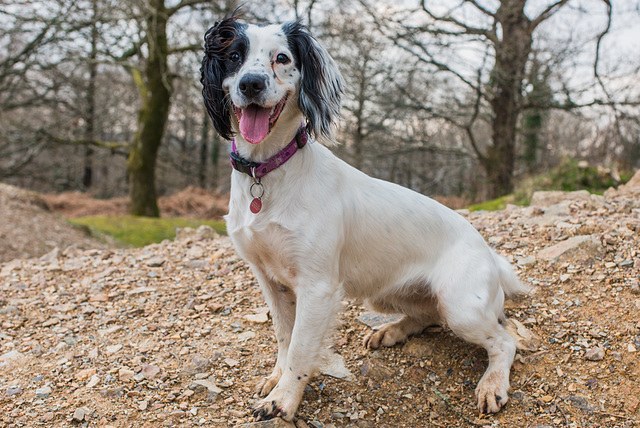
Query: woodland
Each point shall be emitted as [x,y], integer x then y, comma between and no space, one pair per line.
[452,98]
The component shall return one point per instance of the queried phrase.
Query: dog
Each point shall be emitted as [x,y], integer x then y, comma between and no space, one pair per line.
[314,229]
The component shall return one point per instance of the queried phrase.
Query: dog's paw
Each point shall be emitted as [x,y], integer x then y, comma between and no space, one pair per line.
[274,406]
[263,411]
[388,335]
[492,392]
[266,384]
[372,339]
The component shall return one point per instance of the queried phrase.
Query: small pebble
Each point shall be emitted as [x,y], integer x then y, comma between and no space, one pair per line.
[594,354]
[80,414]
[125,374]
[43,392]
[149,371]
[95,379]
[14,390]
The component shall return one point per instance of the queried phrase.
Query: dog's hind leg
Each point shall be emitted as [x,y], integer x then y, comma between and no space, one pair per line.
[393,332]
[282,304]
[474,312]
[419,313]
[492,389]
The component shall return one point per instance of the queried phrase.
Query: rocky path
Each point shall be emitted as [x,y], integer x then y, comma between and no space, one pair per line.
[177,334]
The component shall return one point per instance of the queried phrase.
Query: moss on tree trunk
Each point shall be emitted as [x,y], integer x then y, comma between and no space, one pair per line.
[155,89]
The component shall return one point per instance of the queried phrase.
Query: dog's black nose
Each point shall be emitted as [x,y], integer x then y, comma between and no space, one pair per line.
[252,85]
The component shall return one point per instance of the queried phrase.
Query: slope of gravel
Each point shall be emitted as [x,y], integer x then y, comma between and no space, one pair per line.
[28,228]
[177,334]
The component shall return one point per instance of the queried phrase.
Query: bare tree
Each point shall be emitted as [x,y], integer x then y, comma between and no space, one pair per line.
[90,119]
[382,133]
[49,91]
[500,38]
[25,33]
[154,80]
[361,68]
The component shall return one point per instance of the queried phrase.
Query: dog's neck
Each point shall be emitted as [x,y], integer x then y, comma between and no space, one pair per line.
[257,170]
[278,139]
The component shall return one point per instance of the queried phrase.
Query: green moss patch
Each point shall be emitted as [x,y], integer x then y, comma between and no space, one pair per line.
[492,205]
[140,231]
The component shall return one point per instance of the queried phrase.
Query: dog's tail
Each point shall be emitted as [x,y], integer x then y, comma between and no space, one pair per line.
[509,281]
[511,285]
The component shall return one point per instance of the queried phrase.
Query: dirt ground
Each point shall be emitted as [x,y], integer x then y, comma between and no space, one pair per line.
[177,334]
[28,227]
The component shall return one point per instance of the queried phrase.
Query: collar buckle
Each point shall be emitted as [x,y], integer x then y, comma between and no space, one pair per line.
[241,164]
[301,138]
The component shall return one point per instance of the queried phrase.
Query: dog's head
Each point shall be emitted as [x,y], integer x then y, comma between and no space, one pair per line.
[260,78]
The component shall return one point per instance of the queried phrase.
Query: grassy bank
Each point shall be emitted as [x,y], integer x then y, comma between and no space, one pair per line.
[140,231]
[569,176]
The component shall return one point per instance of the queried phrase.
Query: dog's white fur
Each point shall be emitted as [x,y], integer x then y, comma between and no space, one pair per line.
[327,230]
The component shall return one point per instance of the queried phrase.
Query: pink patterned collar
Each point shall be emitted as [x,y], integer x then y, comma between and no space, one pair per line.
[257,170]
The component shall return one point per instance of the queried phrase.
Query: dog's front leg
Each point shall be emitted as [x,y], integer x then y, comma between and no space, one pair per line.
[316,306]
[282,304]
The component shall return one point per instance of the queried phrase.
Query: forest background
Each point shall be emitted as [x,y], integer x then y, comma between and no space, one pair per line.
[464,98]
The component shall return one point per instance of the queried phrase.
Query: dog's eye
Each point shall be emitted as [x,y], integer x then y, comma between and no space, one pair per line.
[234,57]
[282,59]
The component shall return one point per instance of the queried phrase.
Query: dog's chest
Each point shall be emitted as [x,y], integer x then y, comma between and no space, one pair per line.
[268,250]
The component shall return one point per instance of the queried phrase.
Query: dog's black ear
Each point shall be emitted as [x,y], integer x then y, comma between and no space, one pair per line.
[321,85]
[217,42]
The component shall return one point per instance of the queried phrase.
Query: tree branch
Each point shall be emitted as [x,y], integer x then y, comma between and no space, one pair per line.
[188,3]
[431,148]
[15,166]
[476,113]
[467,28]
[481,8]
[598,42]
[430,60]
[188,48]
[547,13]
[113,145]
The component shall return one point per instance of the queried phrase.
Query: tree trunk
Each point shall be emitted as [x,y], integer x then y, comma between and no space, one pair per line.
[87,174]
[90,115]
[512,52]
[215,158]
[531,128]
[534,117]
[359,135]
[204,149]
[152,118]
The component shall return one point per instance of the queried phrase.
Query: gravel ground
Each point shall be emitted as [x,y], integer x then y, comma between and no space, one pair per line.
[177,334]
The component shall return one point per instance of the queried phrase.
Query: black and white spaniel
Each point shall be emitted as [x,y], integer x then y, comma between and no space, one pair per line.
[313,229]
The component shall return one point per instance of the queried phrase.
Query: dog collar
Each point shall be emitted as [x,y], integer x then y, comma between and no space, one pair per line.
[257,170]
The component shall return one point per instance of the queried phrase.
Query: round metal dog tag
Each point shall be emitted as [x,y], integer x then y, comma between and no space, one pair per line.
[256,205]
[256,202]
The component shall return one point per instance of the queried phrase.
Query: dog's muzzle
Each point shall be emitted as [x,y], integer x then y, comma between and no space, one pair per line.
[252,86]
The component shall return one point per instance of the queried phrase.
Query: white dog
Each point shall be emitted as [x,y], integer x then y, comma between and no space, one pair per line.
[313,229]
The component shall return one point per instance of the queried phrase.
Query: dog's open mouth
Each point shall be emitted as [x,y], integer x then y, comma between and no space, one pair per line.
[256,121]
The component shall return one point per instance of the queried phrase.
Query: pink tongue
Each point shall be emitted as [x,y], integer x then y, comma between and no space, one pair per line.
[254,123]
